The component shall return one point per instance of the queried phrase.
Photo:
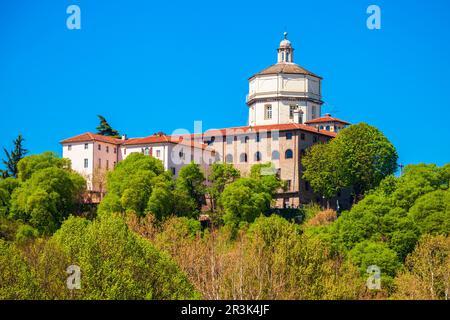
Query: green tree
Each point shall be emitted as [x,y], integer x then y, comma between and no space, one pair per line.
[359,157]
[191,183]
[368,253]
[221,175]
[162,200]
[16,280]
[7,186]
[270,181]
[31,164]
[321,170]
[431,212]
[47,198]
[118,264]
[244,200]
[13,157]
[427,274]
[105,129]
[26,233]
[131,183]
[418,180]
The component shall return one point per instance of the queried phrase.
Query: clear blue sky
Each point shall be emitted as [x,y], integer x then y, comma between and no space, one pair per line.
[151,66]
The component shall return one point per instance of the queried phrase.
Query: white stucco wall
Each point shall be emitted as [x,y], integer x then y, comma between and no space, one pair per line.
[301,90]
[77,154]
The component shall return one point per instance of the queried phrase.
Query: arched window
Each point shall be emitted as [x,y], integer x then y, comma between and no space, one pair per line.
[229,158]
[282,56]
[258,156]
[268,111]
[275,155]
[288,154]
[287,56]
[327,128]
[243,157]
[217,157]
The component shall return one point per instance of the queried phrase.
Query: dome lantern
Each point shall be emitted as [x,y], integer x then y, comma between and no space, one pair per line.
[285,51]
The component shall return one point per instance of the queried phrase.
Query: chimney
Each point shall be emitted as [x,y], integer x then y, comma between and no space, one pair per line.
[124,137]
[298,115]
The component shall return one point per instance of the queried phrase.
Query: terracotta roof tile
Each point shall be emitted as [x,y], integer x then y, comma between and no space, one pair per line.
[270,127]
[91,137]
[326,119]
[164,139]
[188,139]
[288,68]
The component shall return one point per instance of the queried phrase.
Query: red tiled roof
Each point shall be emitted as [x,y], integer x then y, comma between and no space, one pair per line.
[91,137]
[164,139]
[146,140]
[287,68]
[270,127]
[326,119]
[180,139]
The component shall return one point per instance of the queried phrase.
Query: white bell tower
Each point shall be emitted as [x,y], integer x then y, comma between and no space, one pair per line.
[284,92]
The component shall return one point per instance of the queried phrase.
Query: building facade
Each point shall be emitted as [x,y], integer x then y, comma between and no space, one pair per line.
[284,104]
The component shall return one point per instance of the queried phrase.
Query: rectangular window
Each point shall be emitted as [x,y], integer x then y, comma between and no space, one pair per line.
[306,185]
[258,139]
[288,135]
[114,164]
[302,136]
[99,147]
[158,153]
[268,111]
[99,163]
[115,150]
[315,139]
[288,185]
[107,149]
[86,146]
[69,147]
[125,151]
[86,163]
[275,135]
[291,112]
[173,170]
[107,164]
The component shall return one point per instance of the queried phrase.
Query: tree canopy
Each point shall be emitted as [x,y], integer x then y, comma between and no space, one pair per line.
[13,157]
[48,197]
[105,129]
[246,198]
[131,183]
[359,157]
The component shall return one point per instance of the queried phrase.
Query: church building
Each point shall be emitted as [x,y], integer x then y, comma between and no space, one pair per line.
[284,119]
